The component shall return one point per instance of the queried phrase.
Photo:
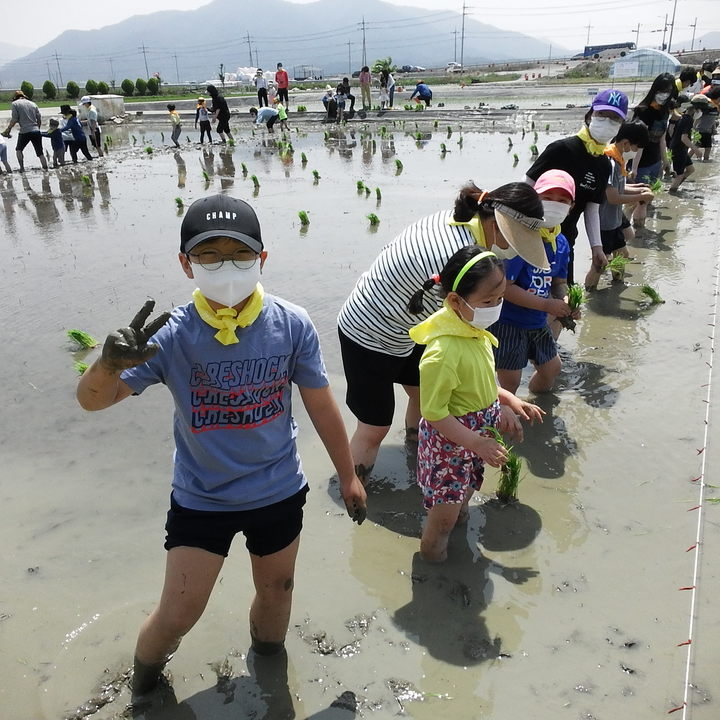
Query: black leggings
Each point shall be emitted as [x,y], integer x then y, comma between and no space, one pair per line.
[205,128]
[74,145]
[283,95]
[262,97]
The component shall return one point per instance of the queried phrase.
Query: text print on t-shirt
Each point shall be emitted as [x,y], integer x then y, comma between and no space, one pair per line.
[589,181]
[237,394]
[540,282]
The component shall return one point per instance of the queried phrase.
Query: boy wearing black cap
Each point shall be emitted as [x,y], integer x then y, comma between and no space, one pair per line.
[229,358]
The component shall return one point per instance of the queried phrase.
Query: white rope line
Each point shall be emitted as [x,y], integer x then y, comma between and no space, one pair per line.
[701,504]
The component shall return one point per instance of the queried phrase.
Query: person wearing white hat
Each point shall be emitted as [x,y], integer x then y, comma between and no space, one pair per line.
[93,126]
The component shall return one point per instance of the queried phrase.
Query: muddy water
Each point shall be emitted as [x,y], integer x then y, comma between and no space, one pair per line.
[566,605]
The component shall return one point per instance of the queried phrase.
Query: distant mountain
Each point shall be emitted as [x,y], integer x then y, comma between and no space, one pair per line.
[10,52]
[327,34]
[710,40]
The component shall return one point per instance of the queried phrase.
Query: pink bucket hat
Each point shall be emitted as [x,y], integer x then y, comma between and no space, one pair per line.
[555,180]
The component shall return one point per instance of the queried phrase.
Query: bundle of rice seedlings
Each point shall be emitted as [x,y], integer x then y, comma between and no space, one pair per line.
[303,158]
[516,159]
[87,180]
[617,266]
[179,202]
[374,219]
[378,194]
[244,169]
[149,150]
[304,219]
[443,149]
[206,176]
[316,175]
[81,366]
[83,339]
[657,186]
[360,186]
[398,165]
[652,294]
[534,150]
[507,490]
[668,155]
[255,181]
[576,296]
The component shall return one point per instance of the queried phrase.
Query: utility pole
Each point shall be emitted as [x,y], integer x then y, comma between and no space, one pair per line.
[249,47]
[49,74]
[349,59]
[364,50]
[589,27]
[177,71]
[637,36]
[257,64]
[672,27]
[455,33]
[112,74]
[462,38]
[693,26]
[664,31]
[143,48]
[57,61]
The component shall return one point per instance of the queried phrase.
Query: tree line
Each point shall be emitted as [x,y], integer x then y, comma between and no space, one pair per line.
[151,86]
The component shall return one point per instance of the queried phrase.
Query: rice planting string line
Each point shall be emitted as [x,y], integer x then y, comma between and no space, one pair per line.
[700,508]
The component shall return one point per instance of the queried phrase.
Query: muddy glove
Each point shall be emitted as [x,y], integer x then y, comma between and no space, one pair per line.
[127,347]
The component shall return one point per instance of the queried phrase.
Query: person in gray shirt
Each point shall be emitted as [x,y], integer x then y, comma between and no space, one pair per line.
[26,114]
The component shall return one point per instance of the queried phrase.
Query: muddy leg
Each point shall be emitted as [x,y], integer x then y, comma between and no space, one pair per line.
[364,445]
[441,519]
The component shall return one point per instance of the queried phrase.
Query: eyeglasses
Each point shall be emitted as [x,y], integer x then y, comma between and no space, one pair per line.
[213,260]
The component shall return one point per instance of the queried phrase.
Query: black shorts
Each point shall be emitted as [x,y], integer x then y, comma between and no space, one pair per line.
[371,377]
[705,140]
[517,345]
[223,125]
[30,137]
[612,240]
[625,222]
[267,530]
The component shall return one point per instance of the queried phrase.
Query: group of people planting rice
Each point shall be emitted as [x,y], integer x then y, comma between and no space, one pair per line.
[453,309]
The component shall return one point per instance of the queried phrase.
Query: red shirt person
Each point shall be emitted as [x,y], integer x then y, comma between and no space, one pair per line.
[282,81]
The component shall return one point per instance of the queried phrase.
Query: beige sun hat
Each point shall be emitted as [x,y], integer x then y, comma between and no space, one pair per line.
[522,233]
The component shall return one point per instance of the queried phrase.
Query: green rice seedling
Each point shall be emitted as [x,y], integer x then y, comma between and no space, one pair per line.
[657,186]
[360,186]
[87,180]
[510,143]
[407,107]
[187,138]
[460,141]
[435,124]
[255,181]
[231,142]
[535,137]
[534,150]
[374,147]
[149,150]
[516,159]
[668,155]
[418,136]
[418,108]
[316,175]
[109,140]
[179,202]
[576,297]
[398,166]
[83,339]
[206,176]
[301,108]
[532,124]
[304,219]
[507,490]
[695,137]
[134,139]
[374,219]
[162,136]
[652,294]
[303,158]
[443,148]
[327,136]
[449,130]
[617,266]
[243,168]
[367,191]
[81,366]
[378,194]
[547,127]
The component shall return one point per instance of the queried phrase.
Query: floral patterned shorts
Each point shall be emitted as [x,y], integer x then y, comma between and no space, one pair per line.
[446,470]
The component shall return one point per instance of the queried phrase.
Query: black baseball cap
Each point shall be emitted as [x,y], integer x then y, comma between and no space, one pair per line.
[220,216]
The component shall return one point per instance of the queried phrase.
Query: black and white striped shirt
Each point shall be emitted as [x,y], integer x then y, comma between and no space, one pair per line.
[375,315]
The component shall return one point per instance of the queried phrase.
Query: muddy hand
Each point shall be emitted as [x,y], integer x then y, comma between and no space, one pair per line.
[127,347]
[355,499]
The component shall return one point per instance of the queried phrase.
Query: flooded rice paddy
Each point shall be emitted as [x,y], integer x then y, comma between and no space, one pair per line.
[566,605]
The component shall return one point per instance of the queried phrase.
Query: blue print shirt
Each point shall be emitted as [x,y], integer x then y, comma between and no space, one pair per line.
[233,425]
[534,280]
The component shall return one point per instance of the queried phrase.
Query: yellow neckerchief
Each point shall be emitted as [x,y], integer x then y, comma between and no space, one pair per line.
[475,227]
[447,322]
[591,145]
[549,235]
[613,152]
[227,319]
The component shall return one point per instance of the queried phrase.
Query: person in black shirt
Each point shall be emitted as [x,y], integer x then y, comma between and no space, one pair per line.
[680,145]
[221,111]
[654,110]
[582,156]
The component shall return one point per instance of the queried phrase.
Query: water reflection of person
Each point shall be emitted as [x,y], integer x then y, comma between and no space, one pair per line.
[181,169]
[227,169]
[46,213]
[373,324]
[103,185]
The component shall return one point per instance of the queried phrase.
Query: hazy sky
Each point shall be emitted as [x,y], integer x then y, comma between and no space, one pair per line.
[565,21]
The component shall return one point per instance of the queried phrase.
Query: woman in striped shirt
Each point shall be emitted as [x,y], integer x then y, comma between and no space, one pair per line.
[373,323]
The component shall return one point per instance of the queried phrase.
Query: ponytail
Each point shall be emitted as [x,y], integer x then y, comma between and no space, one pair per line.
[519,196]
[415,306]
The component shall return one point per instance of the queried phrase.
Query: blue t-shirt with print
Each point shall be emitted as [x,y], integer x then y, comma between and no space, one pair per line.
[233,426]
[534,280]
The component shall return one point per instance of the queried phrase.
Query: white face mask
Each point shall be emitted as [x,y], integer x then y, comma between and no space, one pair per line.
[507,253]
[697,114]
[603,129]
[629,155]
[483,317]
[554,212]
[227,285]
[662,98]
